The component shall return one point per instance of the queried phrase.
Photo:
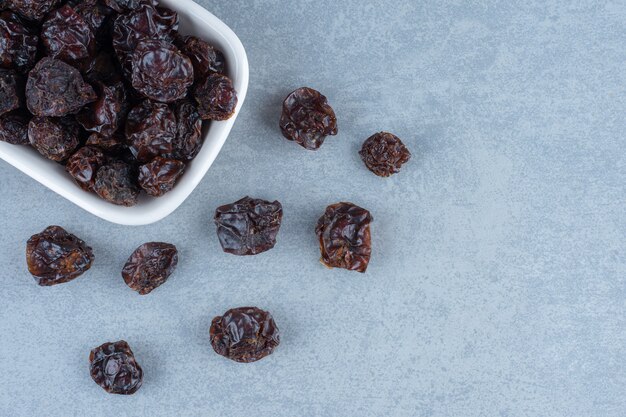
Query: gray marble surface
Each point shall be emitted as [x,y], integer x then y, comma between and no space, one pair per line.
[498,281]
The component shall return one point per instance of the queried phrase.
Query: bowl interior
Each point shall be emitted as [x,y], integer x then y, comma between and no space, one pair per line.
[194,20]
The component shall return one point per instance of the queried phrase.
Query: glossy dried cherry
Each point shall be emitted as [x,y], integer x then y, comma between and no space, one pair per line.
[56,139]
[116,183]
[150,130]
[84,165]
[204,57]
[55,256]
[216,97]
[160,175]
[244,334]
[18,43]
[188,132]
[104,116]
[14,127]
[67,36]
[384,154]
[149,266]
[32,9]
[113,366]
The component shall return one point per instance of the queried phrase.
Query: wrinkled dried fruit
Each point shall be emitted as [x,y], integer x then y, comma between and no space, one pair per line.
[344,236]
[116,183]
[244,334]
[18,43]
[204,57]
[112,145]
[55,256]
[11,91]
[122,6]
[150,130]
[104,115]
[248,226]
[55,88]
[32,9]
[307,118]
[189,131]
[160,71]
[144,23]
[216,97]
[67,36]
[14,127]
[160,175]
[114,368]
[84,165]
[384,154]
[56,139]
[94,13]
[149,266]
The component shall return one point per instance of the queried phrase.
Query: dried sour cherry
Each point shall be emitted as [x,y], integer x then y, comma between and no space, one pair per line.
[160,71]
[55,256]
[114,367]
[248,226]
[116,183]
[150,130]
[18,43]
[160,175]
[204,57]
[188,132]
[344,237]
[55,88]
[67,36]
[216,97]
[84,165]
[307,118]
[104,115]
[149,266]
[244,334]
[56,139]
[384,154]
[14,127]
[32,9]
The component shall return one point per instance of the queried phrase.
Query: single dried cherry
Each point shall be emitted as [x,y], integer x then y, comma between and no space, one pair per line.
[189,131]
[307,118]
[244,334]
[67,36]
[84,165]
[216,97]
[114,367]
[55,88]
[18,43]
[116,183]
[14,127]
[384,154]
[160,175]
[160,71]
[56,139]
[32,9]
[55,256]
[205,58]
[248,226]
[104,115]
[344,237]
[150,130]
[149,266]
[11,91]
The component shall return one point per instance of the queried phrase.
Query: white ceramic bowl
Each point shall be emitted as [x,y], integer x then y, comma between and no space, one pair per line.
[194,20]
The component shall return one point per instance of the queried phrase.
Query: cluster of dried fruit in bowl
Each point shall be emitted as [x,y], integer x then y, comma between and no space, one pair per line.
[114,92]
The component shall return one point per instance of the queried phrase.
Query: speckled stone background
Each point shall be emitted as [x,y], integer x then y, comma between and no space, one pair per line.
[497,285]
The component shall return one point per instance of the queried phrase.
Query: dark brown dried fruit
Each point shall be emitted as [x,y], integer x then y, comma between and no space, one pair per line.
[149,266]
[216,97]
[145,22]
[114,367]
[122,6]
[55,88]
[244,334]
[384,154]
[94,13]
[84,165]
[32,9]
[116,183]
[160,175]
[18,43]
[189,131]
[248,226]
[307,118]
[102,68]
[104,115]
[67,36]
[344,237]
[55,256]
[11,91]
[205,58]
[113,145]
[150,130]
[160,71]
[14,127]
[56,139]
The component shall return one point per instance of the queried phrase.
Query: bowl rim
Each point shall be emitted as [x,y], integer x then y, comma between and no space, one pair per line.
[155,209]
